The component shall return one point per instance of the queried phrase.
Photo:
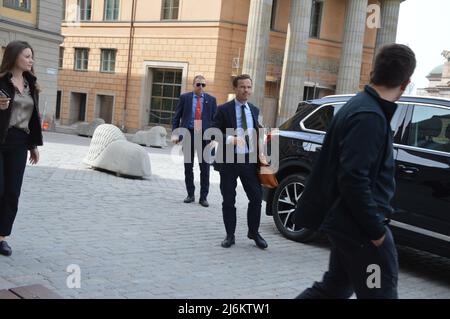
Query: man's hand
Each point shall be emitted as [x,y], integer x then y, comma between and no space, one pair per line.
[263,160]
[379,241]
[239,141]
[175,139]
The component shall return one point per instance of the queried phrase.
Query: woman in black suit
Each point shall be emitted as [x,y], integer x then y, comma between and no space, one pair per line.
[20,130]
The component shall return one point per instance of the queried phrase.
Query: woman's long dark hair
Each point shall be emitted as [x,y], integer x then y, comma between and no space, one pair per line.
[12,52]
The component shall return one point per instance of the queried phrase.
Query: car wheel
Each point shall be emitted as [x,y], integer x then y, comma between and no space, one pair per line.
[283,207]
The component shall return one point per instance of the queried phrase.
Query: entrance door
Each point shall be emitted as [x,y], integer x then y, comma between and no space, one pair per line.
[105,104]
[58,105]
[77,111]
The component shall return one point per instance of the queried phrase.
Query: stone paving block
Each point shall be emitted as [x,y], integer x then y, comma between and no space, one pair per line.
[137,239]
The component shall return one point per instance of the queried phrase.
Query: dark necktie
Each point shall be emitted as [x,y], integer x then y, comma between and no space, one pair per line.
[244,118]
[244,125]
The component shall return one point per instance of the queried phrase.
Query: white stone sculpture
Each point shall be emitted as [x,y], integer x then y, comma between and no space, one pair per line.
[109,150]
[87,129]
[155,137]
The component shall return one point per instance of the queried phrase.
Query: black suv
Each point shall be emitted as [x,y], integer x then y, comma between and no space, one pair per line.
[421,127]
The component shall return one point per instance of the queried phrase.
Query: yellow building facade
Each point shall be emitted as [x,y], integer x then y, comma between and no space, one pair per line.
[39,23]
[127,61]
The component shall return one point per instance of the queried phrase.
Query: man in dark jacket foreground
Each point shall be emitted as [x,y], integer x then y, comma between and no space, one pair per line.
[348,193]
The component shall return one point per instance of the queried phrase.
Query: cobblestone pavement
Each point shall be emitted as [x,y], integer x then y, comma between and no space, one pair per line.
[136,239]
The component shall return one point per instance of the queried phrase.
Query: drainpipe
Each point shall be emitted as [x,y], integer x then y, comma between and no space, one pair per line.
[130,58]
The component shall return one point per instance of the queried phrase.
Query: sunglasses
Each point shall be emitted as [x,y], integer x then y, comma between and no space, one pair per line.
[200,84]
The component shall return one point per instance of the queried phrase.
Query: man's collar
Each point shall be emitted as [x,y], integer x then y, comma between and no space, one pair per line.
[388,107]
[236,102]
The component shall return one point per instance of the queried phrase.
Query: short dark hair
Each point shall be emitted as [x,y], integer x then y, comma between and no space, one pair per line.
[241,77]
[394,65]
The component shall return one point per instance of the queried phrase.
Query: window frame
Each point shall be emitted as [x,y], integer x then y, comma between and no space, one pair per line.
[104,50]
[61,57]
[114,8]
[75,60]
[319,19]
[2,52]
[11,4]
[402,144]
[274,15]
[173,98]
[170,7]
[88,4]
[63,13]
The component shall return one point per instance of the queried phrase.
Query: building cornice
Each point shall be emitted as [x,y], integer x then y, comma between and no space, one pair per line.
[7,25]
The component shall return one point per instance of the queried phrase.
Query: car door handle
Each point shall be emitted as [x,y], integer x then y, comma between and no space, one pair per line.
[408,169]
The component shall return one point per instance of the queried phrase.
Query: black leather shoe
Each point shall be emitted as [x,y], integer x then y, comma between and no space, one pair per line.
[189,199]
[204,203]
[228,241]
[5,249]
[259,241]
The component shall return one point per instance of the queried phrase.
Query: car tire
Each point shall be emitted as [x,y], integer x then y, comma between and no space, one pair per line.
[283,206]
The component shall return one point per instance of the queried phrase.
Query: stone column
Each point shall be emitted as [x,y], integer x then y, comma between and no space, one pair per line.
[295,59]
[352,47]
[257,46]
[390,10]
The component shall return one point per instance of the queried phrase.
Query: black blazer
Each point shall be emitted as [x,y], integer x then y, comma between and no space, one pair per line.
[35,137]
[340,197]
[226,118]
[183,112]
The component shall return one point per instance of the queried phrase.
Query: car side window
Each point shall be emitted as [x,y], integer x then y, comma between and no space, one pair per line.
[430,128]
[397,118]
[320,120]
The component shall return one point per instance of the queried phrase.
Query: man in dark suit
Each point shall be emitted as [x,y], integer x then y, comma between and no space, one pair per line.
[237,120]
[195,112]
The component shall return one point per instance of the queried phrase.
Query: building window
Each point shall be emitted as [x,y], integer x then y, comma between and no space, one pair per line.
[63,14]
[61,57]
[166,90]
[316,19]
[429,128]
[81,59]
[2,51]
[310,93]
[111,10]
[273,17]
[58,105]
[108,60]
[24,5]
[84,10]
[170,9]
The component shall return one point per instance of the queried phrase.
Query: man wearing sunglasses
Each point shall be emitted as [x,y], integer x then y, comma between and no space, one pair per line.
[195,112]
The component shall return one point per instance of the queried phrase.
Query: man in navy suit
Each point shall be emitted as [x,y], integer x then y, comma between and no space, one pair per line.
[195,112]
[238,122]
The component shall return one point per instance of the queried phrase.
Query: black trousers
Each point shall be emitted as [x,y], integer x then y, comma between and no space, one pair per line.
[13,159]
[371,272]
[189,149]
[247,172]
